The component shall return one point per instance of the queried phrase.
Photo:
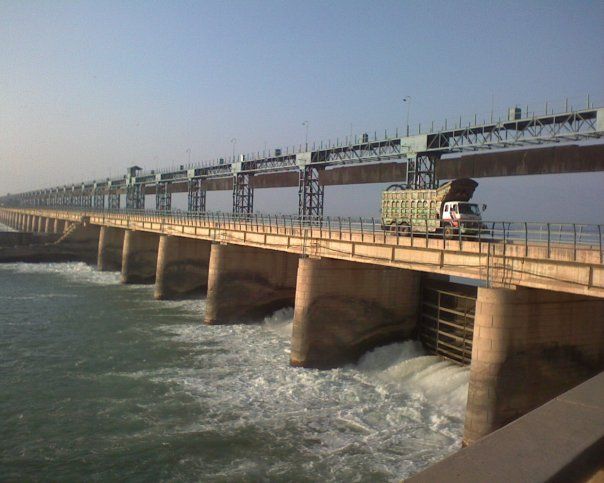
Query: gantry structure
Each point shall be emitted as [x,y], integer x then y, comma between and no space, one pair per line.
[417,154]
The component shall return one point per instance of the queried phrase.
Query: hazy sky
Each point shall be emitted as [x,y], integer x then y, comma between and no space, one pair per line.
[88,88]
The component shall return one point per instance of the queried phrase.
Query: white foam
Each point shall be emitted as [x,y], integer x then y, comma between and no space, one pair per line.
[4,227]
[74,271]
[394,412]
[280,322]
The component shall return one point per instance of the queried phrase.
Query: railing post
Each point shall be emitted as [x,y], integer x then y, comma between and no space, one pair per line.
[548,240]
[362,233]
[600,238]
[373,228]
[574,242]
[525,239]
[349,228]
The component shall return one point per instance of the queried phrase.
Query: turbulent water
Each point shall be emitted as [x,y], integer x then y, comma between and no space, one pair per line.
[99,381]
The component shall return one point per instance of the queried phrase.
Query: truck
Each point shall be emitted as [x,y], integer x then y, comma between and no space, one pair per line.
[445,210]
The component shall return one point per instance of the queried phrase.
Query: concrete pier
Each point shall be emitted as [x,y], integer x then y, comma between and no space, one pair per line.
[139,257]
[344,308]
[529,346]
[83,241]
[182,267]
[111,247]
[246,283]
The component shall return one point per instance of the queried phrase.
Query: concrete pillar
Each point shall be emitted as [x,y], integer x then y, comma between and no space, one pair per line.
[111,247]
[40,224]
[529,346]
[246,284]
[344,309]
[22,222]
[139,257]
[182,267]
[48,225]
[31,223]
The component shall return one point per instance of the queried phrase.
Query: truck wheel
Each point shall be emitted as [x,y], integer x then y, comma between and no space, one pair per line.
[448,232]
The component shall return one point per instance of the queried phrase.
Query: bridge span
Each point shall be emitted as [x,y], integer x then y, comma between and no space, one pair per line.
[538,319]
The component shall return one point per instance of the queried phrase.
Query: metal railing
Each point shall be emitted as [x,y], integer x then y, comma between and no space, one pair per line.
[574,237]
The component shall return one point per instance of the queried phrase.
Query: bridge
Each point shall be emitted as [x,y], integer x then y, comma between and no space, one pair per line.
[417,161]
[537,314]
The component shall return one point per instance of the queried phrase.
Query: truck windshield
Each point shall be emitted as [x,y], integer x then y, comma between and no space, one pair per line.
[469,209]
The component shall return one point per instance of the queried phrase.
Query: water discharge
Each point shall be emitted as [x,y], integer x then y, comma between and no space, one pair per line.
[101,381]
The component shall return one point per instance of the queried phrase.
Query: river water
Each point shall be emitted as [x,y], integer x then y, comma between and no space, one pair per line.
[100,382]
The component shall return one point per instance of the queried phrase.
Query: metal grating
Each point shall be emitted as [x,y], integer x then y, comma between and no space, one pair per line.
[446,324]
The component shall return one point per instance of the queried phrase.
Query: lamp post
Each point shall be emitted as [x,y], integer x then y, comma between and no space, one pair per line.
[188,151]
[305,124]
[234,142]
[407,100]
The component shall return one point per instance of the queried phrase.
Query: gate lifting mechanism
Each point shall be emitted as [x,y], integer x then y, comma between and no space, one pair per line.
[310,194]
[243,194]
[421,172]
[197,196]
[99,200]
[163,197]
[135,197]
[113,200]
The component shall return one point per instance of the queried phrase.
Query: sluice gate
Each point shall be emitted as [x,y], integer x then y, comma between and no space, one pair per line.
[446,324]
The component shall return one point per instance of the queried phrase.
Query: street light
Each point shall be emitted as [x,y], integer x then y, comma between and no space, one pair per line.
[188,151]
[407,100]
[306,123]
[234,142]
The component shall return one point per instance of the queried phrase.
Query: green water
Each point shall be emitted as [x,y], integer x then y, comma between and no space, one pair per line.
[100,382]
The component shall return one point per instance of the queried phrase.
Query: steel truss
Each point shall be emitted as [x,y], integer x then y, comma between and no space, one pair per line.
[86,200]
[571,126]
[113,200]
[310,194]
[243,194]
[196,196]
[135,197]
[163,197]
[98,200]
[421,173]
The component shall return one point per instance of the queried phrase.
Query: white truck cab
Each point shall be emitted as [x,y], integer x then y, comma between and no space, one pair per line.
[454,211]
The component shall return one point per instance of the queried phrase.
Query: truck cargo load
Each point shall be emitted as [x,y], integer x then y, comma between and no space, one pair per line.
[445,208]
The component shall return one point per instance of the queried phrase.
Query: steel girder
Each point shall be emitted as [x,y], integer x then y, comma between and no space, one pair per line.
[163,197]
[310,194]
[196,196]
[243,194]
